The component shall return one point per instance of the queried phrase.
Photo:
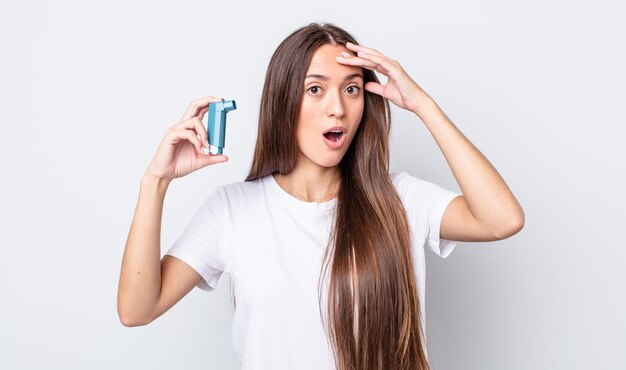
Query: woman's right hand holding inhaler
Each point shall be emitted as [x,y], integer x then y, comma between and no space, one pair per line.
[181,150]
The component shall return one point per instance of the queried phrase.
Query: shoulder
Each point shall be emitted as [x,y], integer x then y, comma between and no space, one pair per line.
[406,184]
[413,189]
[238,193]
[240,188]
[398,177]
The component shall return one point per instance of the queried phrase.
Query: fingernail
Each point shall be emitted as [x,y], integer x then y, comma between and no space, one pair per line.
[347,55]
[339,58]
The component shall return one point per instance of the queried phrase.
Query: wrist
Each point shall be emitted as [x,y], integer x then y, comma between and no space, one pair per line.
[149,180]
[425,106]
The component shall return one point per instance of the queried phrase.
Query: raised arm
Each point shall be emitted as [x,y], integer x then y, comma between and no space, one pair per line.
[487,210]
[148,286]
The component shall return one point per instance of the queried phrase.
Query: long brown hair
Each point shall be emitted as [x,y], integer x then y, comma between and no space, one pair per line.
[372,268]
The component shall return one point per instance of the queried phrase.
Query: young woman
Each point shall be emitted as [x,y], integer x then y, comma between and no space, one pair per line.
[324,247]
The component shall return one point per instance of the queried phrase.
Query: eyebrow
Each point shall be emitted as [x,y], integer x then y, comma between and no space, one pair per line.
[324,78]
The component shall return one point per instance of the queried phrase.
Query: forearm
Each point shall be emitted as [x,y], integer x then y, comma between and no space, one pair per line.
[140,277]
[488,197]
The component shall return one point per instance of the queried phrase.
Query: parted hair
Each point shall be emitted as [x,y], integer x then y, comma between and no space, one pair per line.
[373,310]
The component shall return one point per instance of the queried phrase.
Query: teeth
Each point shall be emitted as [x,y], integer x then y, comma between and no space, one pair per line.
[334,135]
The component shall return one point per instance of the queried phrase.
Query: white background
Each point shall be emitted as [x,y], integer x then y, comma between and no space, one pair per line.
[87,91]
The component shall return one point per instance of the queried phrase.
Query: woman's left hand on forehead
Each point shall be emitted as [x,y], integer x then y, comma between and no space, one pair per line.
[400,88]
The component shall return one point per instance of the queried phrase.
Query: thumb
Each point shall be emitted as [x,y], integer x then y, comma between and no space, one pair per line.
[375,87]
[208,159]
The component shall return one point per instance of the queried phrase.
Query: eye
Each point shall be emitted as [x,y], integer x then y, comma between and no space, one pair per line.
[355,90]
[314,89]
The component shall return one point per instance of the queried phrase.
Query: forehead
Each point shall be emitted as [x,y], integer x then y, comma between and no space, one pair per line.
[324,63]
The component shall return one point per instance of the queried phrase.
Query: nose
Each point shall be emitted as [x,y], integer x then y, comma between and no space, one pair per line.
[334,104]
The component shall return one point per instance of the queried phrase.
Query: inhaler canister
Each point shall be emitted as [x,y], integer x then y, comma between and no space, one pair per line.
[216,124]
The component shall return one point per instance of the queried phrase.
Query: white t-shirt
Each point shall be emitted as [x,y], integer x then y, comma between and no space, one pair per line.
[272,246]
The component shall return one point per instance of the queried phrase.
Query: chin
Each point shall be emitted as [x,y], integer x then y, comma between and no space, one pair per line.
[322,157]
[332,160]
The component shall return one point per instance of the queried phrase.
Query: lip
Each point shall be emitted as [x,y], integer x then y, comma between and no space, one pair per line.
[336,128]
[339,143]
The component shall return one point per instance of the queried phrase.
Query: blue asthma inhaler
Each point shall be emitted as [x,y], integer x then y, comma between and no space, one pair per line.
[216,124]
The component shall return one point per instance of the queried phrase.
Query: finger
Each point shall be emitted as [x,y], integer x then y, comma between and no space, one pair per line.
[375,88]
[193,123]
[359,62]
[209,159]
[202,112]
[369,61]
[385,65]
[198,104]
[201,131]
[178,135]
[196,124]
[360,48]
[347,55]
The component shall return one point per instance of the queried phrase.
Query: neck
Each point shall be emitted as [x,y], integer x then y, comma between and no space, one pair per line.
[310,183]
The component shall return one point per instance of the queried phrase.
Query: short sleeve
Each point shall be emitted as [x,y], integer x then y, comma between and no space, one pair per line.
[201,245]
[425,203]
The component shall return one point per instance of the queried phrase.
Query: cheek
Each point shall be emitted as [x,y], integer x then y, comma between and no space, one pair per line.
[310,110]
[308,121]
[306,130]
[357,111]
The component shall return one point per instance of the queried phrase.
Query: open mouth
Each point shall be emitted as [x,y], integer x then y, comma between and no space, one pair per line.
[333,135]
